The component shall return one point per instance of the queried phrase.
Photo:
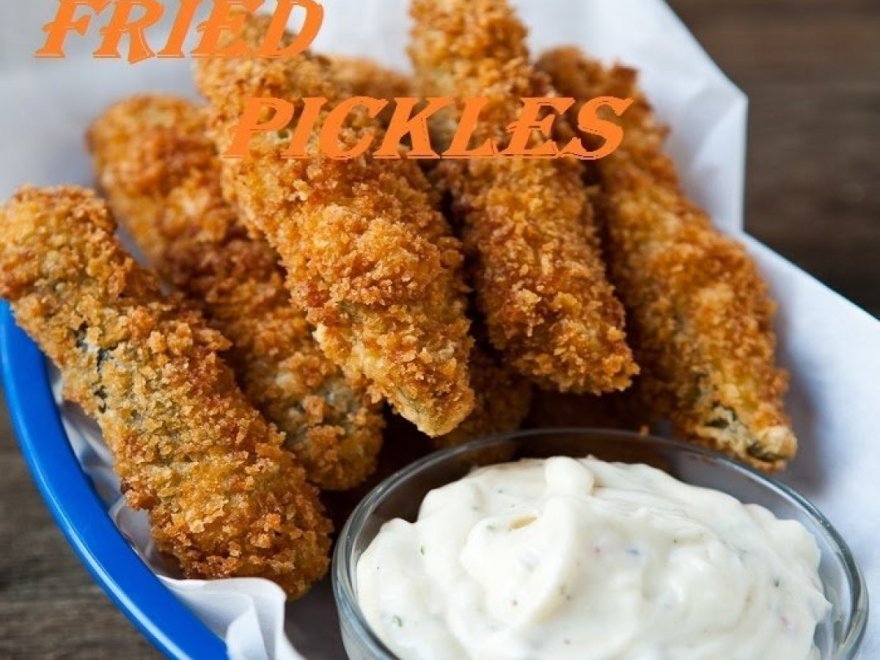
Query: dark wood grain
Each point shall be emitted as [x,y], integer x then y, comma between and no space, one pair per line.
[812,71]
[49,605]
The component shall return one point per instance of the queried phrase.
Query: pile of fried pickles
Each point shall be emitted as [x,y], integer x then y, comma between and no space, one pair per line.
[293,307]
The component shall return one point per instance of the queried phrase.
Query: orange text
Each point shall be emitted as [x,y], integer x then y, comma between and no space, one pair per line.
[132,18]
[530,136]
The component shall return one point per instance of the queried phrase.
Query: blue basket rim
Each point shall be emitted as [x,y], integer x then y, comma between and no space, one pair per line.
[80,512]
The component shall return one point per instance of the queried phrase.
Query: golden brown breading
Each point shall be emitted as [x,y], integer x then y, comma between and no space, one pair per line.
[502,400]
[365,77]
[360,76]
[502,403]
[701,315]
[526,224]
[223,497]
[404,444]
[162,176]
[374,266]
[501,395]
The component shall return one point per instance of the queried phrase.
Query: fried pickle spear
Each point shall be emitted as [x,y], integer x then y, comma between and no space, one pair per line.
[527,225]
[701,313]
[162,176]
[503,398]
[502,403]
[223,497]
[369,259]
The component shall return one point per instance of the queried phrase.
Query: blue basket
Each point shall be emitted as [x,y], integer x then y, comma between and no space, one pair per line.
[81,514]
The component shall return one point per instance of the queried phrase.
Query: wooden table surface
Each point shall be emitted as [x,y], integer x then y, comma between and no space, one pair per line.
[812,71]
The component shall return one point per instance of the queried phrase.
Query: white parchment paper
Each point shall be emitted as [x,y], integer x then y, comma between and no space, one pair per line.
[831,347]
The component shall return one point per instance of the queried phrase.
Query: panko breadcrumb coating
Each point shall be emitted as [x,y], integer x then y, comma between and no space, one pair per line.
[502,401]
[526,224]
[224,498]
[361,76]
[364,77]
[701,314]
[501,395]
[369,259]
[162,176]
[404,444]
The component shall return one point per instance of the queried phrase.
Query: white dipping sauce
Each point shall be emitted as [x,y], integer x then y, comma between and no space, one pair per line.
[578,558]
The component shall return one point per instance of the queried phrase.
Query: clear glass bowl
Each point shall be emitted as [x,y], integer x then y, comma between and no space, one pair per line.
[837,637]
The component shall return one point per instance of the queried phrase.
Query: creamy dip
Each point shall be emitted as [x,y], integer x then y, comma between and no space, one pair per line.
[579,558]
